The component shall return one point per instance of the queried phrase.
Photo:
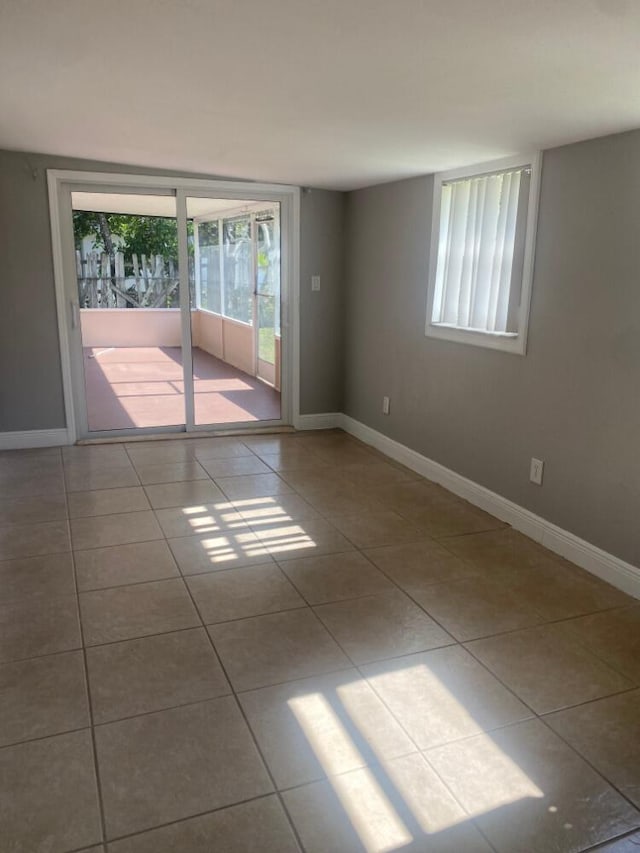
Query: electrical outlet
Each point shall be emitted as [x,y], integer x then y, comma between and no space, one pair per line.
[536,471]
[386,405]
[315,282]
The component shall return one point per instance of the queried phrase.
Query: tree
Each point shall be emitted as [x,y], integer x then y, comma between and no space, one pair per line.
[133,234]
[142,235]
[86,222]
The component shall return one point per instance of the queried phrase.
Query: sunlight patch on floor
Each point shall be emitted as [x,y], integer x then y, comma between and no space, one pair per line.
[230,547]
[202,519]
[499,781]
[368,808]
[235,533]
[287,538]
[262,509]
[495,781]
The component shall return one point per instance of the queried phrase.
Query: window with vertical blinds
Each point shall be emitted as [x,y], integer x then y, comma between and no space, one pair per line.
[482,236]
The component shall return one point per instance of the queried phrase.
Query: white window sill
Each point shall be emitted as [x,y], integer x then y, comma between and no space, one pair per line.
[506,341]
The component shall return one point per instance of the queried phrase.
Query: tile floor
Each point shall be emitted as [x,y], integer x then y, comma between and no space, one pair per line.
[291,643]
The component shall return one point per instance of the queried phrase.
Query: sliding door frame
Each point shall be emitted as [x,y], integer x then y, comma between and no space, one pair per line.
[69,306]
[62,183]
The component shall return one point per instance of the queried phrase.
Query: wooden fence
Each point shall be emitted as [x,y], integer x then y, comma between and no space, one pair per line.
[103,282]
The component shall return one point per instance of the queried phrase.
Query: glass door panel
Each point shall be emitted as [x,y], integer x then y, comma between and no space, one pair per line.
[127,320]
[235,299]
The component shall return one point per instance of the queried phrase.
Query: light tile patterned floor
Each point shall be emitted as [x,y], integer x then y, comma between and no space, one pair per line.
[291,643]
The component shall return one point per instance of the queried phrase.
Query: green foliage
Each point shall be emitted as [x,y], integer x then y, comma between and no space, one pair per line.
[86,222]
[267,345]
[151,235]
[208,233]
[148,235]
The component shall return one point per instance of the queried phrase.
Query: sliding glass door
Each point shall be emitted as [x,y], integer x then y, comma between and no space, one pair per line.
[126,310]
[172,303]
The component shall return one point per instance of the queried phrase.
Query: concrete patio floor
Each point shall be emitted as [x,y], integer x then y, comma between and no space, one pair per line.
[143,387]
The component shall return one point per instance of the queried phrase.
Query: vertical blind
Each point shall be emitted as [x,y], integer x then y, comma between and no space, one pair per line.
[478,222]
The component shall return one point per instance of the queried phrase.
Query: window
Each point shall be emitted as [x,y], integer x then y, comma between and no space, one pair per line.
[209,259]
[237,257]
[238,269]
[482,245]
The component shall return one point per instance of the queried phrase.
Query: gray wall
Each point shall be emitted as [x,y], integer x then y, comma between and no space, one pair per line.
[30,377]
[322,312]
[574,400]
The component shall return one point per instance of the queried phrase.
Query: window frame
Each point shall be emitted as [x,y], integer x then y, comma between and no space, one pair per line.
[512,342]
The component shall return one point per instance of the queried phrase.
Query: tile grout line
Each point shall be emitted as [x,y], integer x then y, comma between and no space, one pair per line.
[464,644]
[352,665]
[189,704]
[247,724]
[588,762]
[543,623]
[178,821]
[94,748]
[20,742]
[574,750]
[625,835]
[596,653]
[536,625]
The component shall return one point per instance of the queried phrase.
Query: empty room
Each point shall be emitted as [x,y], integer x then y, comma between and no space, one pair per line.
[319,426]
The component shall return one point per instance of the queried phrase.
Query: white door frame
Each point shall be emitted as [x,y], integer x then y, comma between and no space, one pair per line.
[62,182]
[255,225]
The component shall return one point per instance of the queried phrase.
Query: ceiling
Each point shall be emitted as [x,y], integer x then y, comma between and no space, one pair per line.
[336,94]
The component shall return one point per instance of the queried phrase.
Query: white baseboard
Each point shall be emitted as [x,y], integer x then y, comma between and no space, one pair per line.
[615,571]
[33,438]
[324,420]
[57,437]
